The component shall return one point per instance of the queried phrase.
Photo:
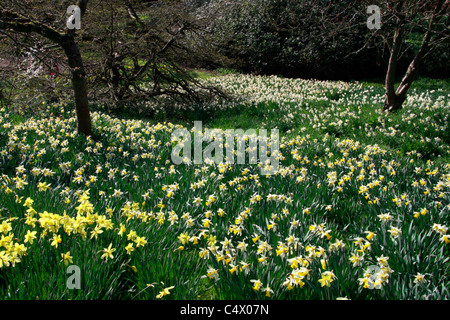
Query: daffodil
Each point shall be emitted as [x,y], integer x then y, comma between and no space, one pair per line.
[140,241]
[5,227]
[256,284]
[28,202]
[183,238]
[55,240]
[4,259]
[324,264]
[256,238]
[212,240]
[370,235]
[67,258]
[356,260]
[131,235]
[213,273]
[327,278]
[43,186]
[204,253]
[122,230]
[445,238]
[233,269]
[108,252]
[96,231]
[419,278]
[220,212]
[268,291]
[164,292]
[129,248]
[206,222]
[30,236]
[395,232]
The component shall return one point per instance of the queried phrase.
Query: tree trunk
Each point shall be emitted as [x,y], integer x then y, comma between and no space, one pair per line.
[395,98]
[1,99]
[79,85]
[393,102]
[20,23]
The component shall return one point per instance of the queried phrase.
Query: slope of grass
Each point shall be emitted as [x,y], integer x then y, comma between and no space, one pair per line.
[358,208]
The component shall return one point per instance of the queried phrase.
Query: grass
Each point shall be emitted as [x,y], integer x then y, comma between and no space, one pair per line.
[336,114]
[356,189]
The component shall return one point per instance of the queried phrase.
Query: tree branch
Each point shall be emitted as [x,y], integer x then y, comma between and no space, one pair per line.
[17,22]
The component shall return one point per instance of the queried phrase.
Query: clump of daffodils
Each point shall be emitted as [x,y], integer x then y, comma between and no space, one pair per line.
[375,276]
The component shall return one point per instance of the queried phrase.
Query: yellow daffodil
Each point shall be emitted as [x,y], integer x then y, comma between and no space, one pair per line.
[55,240]
[67,258]
[164,292]
[108,252]
[129,248]
[256,284]
[30,236]
[327,278]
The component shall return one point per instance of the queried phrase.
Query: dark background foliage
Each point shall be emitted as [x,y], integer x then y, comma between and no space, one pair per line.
[287,38]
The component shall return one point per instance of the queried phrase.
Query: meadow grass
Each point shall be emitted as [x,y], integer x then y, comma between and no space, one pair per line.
[358,209]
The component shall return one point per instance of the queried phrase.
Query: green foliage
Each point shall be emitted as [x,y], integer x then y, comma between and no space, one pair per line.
[313,39]
[296,38]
